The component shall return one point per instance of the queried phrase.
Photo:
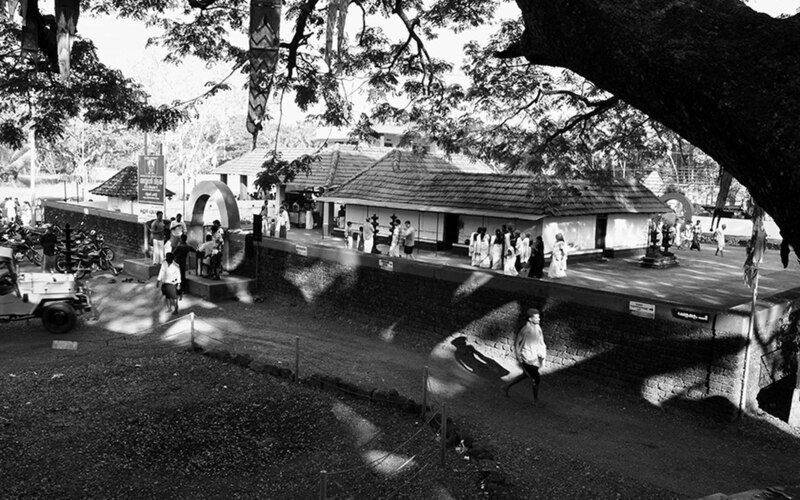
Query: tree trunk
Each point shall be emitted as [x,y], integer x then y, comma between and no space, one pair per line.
[721,75]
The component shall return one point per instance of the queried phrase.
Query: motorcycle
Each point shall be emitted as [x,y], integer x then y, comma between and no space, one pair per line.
[85,260]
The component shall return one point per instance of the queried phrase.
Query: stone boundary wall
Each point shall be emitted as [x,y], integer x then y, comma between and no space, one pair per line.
[589,333]
[122,232]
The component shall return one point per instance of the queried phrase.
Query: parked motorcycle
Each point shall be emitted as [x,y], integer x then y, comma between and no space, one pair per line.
[84,261]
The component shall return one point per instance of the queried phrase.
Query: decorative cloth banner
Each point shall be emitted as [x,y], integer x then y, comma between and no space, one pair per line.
[265,23]
[67,12]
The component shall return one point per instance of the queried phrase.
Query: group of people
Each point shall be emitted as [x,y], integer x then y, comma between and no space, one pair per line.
[280,224]
[171,251]
[403,236]
[685,235]
[14,212]
[515,254]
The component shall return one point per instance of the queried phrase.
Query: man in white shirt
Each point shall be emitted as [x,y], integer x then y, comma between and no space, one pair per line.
[283,223]
[169,278]
[719,236]
[530,351]
[177,228]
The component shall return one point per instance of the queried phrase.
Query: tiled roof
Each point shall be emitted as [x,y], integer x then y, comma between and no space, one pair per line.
[123,184]
[396,184]
[338,164]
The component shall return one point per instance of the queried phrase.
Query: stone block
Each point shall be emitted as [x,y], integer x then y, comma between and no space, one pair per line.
[142,269]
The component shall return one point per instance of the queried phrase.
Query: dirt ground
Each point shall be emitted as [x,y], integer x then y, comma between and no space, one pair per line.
[145,418]
[586,441]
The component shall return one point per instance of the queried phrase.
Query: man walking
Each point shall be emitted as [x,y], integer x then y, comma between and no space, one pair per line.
[157,232]
[180,253]
[169,278]
[719,236]
[409,240]
[530,351]
[48,242]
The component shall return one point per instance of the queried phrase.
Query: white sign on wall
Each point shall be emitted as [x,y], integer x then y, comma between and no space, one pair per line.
[386,265]
[642,309]
[302,250]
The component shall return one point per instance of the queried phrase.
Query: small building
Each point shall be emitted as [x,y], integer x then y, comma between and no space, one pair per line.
[121,190]
[446,203]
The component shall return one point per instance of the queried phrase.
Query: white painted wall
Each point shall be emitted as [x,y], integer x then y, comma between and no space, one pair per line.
[429,227]
[473,222]
[579,232]
[627,231]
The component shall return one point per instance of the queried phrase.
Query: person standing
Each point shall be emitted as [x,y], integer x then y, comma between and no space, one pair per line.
[472,241]
[177,228]
[409,240]
[719,236]
[11,211]
[394,247]
[510,263]
[482,247]
[218,237]
[180,254]
[558,259]
[369,236]
[530,352]
[696,237]
[497,250]
[38,213]
[157,228]
[48,242]
[283,223]
[26,214]
[169,278]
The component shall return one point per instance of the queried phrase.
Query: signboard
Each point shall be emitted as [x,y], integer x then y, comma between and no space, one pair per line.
[302,250]
[65,344]
[695,316]
[386,265]
[150,186]
[642,309]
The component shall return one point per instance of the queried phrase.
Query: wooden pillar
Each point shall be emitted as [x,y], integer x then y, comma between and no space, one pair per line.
[243,195]
[327,208]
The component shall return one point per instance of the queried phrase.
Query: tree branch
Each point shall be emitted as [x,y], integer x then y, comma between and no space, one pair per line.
[299,37]
[573,122]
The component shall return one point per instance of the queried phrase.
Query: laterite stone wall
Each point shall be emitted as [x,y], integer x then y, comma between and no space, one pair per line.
[122,232]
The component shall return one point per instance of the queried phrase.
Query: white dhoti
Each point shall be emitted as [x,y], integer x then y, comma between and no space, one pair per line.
[368,242]
[158,251]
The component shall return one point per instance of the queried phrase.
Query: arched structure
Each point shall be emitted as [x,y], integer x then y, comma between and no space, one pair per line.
[688,209]
[226,203]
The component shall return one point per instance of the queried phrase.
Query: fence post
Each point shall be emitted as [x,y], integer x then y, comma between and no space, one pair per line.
[424,392]
[191,328]
[297,359]
[323,485]
[444,433]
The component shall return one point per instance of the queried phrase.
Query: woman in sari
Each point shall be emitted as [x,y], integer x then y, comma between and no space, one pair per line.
[394,248]
[510,266]
[472,253]
[558,261]
[482,250]
[497,250]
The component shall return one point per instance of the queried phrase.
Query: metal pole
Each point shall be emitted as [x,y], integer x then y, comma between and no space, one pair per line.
[32,149]
[323,485]
[68,246]
[424,392]
[444,433]
[297,359]
[750,333]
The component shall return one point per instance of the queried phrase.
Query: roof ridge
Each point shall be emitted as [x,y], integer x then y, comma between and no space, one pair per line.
[367,169]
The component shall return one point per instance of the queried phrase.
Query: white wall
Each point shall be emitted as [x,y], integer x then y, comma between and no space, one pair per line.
[473,222]
[627,231]
[579,232]
[429,226]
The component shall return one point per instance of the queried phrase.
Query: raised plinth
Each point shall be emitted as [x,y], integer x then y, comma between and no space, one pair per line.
[227,287]
[143,269]
[658,261]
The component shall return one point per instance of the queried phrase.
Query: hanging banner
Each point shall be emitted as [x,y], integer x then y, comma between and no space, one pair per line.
[150,186]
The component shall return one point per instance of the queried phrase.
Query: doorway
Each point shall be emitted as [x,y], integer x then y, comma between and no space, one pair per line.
[451,230]
[600,232]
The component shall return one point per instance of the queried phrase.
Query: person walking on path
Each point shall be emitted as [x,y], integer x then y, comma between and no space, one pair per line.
[558,260]
[719,236]
[530,351]
[369,236]
[48,242]
[409,240]
[537,259]
[283,223]
[497,250]
[169,279]
[180,254]
[696,237]
[157,232]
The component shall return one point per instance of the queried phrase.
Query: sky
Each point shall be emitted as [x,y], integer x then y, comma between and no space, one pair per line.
[122,43]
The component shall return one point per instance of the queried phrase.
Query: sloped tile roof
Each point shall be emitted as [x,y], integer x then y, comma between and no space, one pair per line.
[423,185]
[123,184]
[336,165]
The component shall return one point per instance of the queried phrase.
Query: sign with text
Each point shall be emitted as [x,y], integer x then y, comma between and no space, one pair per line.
[151,184]
[695,316]
[386,265]
[302,250]
[642,309]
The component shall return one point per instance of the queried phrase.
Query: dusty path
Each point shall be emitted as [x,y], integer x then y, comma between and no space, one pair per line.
[586,441]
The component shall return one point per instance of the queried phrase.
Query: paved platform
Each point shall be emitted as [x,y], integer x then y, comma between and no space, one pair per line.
[701,278]
[225,288]
[142,269]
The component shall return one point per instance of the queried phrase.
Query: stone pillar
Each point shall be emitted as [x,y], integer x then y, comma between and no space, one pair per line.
[794,409]
[243,195]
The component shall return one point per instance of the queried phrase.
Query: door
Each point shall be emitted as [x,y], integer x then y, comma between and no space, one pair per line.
[451,229]
[600,232]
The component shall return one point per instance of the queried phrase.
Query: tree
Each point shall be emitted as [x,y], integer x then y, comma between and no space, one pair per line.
[718,74]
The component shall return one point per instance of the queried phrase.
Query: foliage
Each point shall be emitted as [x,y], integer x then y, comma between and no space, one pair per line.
[276,170]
